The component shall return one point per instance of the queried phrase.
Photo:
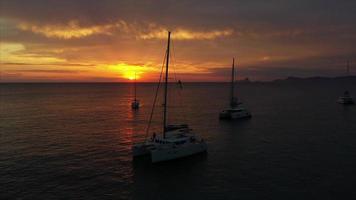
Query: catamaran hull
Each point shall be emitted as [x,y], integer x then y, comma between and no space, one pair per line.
[235,116]
[166,154]
[135,105]
[240,116]
[345,101]
[142,149]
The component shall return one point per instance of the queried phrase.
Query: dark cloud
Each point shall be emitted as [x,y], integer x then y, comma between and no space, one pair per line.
[183,12]
[281,19]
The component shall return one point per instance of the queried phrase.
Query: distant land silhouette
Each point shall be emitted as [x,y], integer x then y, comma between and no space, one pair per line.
[291,79]
[314,79]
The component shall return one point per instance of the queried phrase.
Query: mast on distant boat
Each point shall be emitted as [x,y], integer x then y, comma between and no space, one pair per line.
[166,88]
[135,104]
[233,100]
[135,88]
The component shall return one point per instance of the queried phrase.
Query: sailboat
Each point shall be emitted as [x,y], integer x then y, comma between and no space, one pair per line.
[346,99]
[237,109]
[176,140]
[135,104]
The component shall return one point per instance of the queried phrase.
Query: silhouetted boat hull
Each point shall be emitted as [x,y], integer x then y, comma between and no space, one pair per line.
[235,114]
[171,152]
[143,149]
[346,99]
[135,105]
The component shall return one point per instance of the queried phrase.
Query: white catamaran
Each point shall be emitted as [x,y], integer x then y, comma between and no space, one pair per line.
[346,99]
[176,141]
[237,109]
[135,104]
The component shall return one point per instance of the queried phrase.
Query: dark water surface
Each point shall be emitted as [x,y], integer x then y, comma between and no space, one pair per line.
[73,141]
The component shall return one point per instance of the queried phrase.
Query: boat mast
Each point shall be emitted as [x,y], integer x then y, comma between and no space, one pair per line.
[166,87]
[348,68]
[232,102]
[135,86]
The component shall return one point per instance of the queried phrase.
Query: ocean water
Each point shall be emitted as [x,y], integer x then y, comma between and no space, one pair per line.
[73,141]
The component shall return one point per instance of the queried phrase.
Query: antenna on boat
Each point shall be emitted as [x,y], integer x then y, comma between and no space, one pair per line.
[166,88]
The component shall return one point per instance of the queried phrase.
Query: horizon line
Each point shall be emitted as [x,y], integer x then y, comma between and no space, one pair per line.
[129,82]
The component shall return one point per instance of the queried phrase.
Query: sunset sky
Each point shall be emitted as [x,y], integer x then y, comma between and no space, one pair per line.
[110,40]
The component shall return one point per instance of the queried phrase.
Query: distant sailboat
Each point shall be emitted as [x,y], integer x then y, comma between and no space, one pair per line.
[236,110]
[346,99]
[176,141]
[135,104]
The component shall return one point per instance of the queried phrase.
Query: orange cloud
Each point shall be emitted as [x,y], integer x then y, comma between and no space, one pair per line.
[17,53]
[184,34]
[71,30]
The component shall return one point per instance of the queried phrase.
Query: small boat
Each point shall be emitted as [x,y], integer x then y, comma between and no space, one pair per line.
[135,104]
[238,112]
[176,141]
[237,109]
[346,99]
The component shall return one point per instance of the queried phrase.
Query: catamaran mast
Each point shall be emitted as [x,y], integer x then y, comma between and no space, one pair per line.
[166,88]
[135,87]
[232,100]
